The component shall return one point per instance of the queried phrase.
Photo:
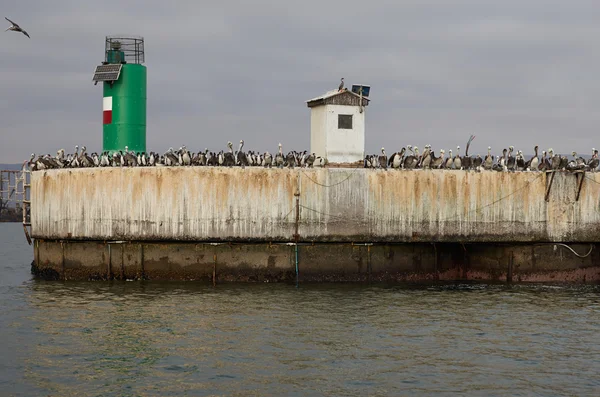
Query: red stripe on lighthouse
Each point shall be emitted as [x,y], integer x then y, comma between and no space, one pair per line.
[107,110]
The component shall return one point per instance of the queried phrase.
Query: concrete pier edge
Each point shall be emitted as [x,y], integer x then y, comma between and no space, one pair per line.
[321,262]
[223,224]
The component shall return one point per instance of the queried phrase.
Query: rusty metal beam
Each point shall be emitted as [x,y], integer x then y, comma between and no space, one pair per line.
[580,177]
[549,184]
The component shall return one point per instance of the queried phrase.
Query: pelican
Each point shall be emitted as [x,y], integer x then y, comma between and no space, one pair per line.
[290,159]
[186,159]
[593,163]
[449,161]
[15,28]
[279,158]
[554,159]
[383,159]
[511,162]
[489,160]
[520,160]
[437,162]
[411,161]
[426,157]
[457,160]
[533,163]
[241,157]
[228,158]
[395,160]
[268,160]
[543,165]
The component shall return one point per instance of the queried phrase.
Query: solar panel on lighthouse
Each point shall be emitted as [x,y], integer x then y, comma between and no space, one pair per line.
[107,72]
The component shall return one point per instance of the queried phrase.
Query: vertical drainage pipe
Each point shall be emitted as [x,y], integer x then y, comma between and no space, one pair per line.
[214,275]
[296,264]
[369,260]
[62,248]
[296,234]
[109,267]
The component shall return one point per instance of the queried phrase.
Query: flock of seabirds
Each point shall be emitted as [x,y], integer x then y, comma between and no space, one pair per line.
[408,158]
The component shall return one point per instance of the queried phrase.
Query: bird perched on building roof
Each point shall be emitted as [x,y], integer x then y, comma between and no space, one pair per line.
[341,87]
[16,28]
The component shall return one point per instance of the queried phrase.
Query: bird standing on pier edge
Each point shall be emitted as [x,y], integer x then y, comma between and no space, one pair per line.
[15,28]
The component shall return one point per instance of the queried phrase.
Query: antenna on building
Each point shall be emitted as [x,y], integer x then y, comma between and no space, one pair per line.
[362,90]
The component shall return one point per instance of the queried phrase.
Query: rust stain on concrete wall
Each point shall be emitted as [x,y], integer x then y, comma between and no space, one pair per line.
[336,204]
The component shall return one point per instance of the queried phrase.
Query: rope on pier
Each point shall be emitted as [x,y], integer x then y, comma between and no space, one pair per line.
[575,253]
[592,179]
[335,184]
[525,185]
[288,214]
[322,213]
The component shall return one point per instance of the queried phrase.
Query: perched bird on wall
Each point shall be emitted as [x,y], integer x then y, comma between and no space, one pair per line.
[341,87]
[383,159]
[449,160]
[489,159]
[241,157]
[15,28]
[305,159]
[279,157]
[437,162]
[594,161]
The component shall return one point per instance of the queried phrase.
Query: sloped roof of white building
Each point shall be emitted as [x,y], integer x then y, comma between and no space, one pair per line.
[329,95]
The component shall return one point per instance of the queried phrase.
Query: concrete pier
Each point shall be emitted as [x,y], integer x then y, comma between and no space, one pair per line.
[231,224]
[96,260]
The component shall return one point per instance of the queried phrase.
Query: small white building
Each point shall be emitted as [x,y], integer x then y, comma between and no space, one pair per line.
[337,126]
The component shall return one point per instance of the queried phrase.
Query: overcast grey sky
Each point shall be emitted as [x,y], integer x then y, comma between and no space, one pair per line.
[512,72]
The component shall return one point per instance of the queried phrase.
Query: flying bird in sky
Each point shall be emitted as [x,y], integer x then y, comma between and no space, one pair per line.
[15,27]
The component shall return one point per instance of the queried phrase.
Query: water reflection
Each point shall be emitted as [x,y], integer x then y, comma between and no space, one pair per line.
[161,338]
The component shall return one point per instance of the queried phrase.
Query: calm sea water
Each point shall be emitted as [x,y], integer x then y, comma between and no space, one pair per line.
[167,339]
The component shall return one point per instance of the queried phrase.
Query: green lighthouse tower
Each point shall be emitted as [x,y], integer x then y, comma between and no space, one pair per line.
[123,76]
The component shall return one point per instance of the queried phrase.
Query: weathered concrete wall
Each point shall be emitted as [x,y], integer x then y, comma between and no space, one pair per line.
[416,262]
[340,205]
